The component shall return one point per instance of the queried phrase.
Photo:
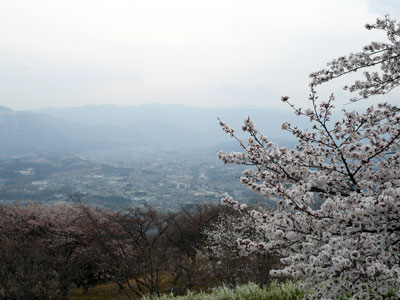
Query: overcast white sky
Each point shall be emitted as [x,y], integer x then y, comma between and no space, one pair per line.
[62,53]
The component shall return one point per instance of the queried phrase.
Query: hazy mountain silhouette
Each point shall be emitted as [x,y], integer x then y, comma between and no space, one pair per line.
[27,132]
[5,110]
[178,125]
[107,127]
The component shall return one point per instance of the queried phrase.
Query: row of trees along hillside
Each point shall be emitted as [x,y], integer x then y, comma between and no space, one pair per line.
[45,250]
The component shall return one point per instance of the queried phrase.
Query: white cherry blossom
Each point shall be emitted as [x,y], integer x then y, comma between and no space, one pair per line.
[349,245]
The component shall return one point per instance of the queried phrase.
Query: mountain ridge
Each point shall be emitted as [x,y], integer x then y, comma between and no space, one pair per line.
[156,126]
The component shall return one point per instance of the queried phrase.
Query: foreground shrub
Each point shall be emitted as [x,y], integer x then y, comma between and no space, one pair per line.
[251,291]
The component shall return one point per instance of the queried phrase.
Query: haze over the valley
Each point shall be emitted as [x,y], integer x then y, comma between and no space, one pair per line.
[119,100]
[151,126]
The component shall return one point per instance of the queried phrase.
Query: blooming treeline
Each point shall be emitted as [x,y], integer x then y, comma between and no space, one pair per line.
[233,261]
[349,245]
[45,250]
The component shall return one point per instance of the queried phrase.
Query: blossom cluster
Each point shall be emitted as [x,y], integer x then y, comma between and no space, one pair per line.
[237,259]
[383,55]
[337,223]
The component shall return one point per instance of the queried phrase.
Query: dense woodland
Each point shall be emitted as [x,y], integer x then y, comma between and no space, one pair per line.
[47,250]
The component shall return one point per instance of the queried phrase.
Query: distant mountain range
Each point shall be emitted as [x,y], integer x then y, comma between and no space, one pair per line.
[169,127]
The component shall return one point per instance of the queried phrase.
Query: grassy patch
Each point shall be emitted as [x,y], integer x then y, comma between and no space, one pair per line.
[275,291]
[251,291]
[101,292]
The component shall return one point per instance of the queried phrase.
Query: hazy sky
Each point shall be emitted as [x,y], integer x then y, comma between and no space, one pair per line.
[201,53]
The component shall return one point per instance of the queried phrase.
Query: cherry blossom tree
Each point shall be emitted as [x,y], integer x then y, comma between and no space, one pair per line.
[44,251]
[349,245]
[228,260]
